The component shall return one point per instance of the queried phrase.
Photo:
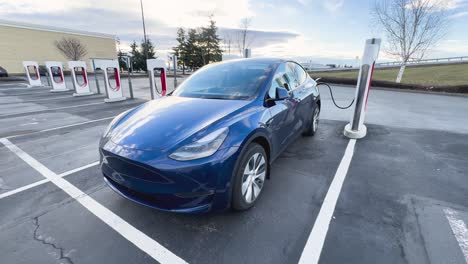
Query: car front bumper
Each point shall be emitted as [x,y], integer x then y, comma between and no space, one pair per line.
[154,180]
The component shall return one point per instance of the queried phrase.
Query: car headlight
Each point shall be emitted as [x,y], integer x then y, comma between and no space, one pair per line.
[113,122]
[201,148]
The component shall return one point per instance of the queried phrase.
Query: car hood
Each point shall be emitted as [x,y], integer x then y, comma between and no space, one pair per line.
[164,122]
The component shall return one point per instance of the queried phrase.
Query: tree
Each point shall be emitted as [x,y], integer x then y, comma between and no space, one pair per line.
[198,46]
[71,48]
[193,58]
[136,56]
[209,43]
[244,36]
[227,40]
[180,50]
[411,27]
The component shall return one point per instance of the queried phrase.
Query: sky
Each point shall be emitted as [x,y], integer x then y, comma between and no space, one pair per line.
[321,31]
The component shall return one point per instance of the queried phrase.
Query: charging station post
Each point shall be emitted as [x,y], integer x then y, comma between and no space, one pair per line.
[356,128]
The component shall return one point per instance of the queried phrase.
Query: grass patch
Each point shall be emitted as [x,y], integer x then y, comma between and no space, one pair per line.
[441,75]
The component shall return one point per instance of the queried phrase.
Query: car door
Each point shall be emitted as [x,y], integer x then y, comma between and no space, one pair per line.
[282,120]
[304,93]
[297,95]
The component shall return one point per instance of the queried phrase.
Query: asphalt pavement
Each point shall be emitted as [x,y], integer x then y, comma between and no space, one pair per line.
[403,198]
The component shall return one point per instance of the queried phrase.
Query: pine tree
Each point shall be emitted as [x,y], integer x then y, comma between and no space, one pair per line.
[180,50]
[136,56]
[211,41]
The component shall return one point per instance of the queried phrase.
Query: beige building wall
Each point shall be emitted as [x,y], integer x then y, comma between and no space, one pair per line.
[22,44]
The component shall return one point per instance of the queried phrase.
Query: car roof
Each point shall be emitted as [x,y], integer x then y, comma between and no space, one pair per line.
[264,60]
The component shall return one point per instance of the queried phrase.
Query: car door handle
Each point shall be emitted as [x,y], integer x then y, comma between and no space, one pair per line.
[268,122]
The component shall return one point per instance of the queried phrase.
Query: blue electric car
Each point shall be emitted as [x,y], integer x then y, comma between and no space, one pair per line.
[209,145]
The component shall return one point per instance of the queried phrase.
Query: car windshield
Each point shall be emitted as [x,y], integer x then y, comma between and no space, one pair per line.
[237,80]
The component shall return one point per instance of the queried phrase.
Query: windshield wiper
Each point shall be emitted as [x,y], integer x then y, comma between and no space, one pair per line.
[215,97]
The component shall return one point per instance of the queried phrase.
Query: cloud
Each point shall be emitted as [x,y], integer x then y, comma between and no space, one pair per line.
[333,5]
[459,14]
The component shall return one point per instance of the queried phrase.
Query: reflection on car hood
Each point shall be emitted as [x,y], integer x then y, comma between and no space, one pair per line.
[161,123]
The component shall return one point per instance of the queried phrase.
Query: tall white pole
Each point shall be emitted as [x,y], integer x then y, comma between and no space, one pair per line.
[356,128]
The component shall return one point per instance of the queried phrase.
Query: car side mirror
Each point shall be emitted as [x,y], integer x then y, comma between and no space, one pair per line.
[281,93]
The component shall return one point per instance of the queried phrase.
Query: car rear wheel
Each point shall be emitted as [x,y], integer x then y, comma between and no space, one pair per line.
[313,126]
[250,177]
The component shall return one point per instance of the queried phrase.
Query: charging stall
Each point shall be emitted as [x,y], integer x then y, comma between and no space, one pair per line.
[57,79]
[79,78]
[111,79]
[356,128]
[154,65]
[32,73]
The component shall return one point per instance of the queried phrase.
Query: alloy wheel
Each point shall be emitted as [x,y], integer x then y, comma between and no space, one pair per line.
[253,177]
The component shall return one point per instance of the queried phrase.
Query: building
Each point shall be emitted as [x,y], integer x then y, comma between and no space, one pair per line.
[28,42]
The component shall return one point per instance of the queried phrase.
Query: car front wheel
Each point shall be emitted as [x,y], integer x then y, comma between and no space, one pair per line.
[250,177]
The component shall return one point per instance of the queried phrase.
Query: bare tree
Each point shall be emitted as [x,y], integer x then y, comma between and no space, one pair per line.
[227,40]
[71,48]
[244,36]
[411,27]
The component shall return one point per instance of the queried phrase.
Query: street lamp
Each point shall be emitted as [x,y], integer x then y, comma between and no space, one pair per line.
[144,30]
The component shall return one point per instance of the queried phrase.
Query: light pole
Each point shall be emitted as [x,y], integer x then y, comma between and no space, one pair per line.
[144,30]
[145,47]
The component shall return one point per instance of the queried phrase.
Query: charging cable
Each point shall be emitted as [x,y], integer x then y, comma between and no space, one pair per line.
[332,97]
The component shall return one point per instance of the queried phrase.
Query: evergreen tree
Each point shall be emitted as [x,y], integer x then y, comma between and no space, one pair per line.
[210,43]
[136,56]
[180,50]
[146,48]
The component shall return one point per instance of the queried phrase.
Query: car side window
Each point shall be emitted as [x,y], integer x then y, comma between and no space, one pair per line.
[301,74]
[292,74]
[280,79]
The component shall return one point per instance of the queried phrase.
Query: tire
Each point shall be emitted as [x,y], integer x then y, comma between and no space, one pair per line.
[250,177]
[313,126]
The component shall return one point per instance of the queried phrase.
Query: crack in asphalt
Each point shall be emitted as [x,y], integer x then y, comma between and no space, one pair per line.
[45,242]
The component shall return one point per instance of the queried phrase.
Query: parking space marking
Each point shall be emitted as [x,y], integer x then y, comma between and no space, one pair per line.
[314,244]
[51,99]
[61,127]
[51,109]
[129,232]
[23,188]
[459,229]
[34,184]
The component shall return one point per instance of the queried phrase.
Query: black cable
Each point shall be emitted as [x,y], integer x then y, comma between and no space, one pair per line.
[333,98]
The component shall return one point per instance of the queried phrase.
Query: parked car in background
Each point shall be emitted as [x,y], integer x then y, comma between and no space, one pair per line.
[3,72]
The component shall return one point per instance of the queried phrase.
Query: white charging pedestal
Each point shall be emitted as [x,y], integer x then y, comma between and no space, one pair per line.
[152,66]
[35,79]
[356,128]
[113,86]
[57,85]
[81,88]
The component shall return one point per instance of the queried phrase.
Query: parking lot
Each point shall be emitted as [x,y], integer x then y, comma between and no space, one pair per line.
[404,197]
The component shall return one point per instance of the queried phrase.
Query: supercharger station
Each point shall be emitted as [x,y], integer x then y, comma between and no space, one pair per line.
[34,80]
[113,87]
[81,88]
[58,85]
[154,65]
[356,128]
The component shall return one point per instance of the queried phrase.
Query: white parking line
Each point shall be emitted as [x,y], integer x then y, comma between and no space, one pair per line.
[135,236]
[50,109]
[459,229]
[61,127]
[34,184]
[314,245]
[23,188]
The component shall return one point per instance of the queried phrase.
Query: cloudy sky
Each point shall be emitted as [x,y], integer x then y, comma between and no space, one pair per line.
[320,30]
